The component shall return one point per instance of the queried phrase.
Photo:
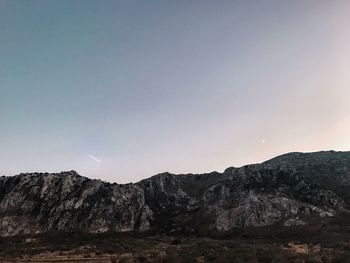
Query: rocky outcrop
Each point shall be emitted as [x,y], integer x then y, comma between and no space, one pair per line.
[34,203]
[285,189]
[294,222]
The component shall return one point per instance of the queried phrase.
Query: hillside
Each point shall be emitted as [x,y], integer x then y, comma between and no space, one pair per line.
[286,190]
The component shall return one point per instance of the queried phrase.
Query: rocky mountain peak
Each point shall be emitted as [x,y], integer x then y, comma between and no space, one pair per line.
[288,188]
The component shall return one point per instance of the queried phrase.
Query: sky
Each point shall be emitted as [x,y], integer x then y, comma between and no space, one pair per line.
[123,90]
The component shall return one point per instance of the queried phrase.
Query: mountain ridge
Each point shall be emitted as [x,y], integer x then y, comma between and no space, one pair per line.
[285,189]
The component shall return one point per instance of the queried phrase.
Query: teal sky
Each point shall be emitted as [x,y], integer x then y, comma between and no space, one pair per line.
[122,90]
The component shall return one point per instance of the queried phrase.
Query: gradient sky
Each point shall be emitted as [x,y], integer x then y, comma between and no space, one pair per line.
[122,90]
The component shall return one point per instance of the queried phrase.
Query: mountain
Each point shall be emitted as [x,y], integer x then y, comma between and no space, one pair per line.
[285,190]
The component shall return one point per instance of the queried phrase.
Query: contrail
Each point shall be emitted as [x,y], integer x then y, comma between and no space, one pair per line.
[94,158]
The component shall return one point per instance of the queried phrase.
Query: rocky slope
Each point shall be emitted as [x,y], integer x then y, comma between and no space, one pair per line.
[286,189]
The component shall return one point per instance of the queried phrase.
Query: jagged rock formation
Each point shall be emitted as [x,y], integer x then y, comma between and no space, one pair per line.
[284,189]
[34,203]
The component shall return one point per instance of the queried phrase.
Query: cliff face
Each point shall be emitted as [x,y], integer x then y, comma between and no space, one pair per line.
[285,189]
[32,203]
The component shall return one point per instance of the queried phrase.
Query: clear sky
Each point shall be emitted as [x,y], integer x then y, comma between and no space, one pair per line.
[122,90]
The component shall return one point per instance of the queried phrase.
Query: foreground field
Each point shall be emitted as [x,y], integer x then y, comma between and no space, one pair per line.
[322,240]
